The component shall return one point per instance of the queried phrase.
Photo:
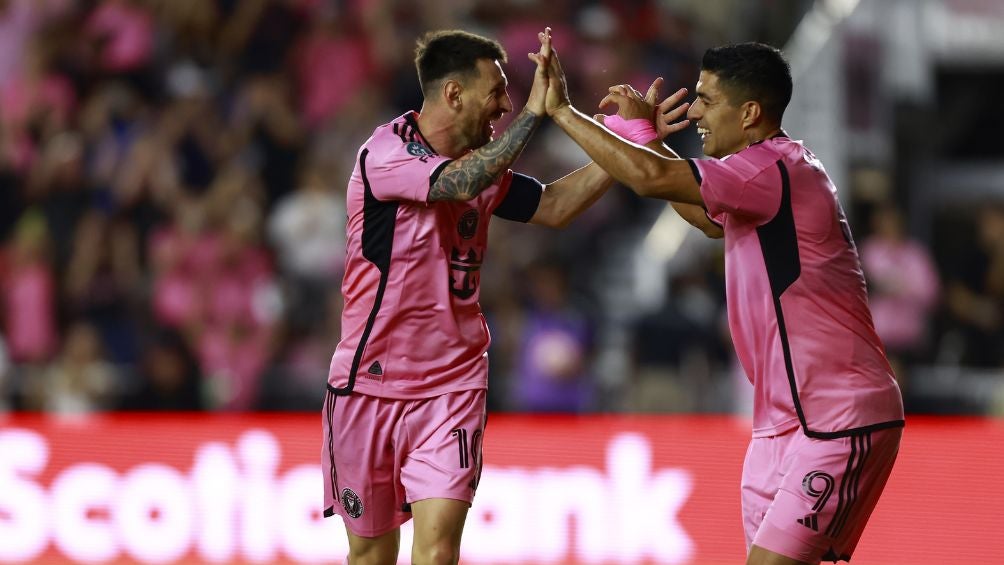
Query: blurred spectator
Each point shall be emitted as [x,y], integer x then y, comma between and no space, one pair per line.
[79,381]
[168,377]
[20,20]
[36,96]
[904,286]
[331,65]
[552,371]
[259,33]
[268,128]
[681,349]
[29,293]
[307,230]
[291,382]
[103,281]
[975,295]
[122,34]
[58,186]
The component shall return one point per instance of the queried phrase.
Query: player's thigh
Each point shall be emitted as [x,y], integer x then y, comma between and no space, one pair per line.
[444,439]
[379,550]
[439,526]
[761,556]
[828,491]
[360,471]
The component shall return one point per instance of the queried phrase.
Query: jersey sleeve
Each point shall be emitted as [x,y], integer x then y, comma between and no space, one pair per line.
[739,186]
[404,171]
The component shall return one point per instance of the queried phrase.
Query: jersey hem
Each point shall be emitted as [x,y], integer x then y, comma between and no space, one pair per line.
[854,431]
[398,395]
[780,429]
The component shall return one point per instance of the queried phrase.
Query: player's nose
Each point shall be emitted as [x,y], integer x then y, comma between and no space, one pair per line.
[693,113]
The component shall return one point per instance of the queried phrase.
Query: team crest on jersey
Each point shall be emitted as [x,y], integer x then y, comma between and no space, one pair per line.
[468,224]
[417,149]
[351,503]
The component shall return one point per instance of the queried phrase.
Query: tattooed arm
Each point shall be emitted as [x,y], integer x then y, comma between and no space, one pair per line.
[466,177]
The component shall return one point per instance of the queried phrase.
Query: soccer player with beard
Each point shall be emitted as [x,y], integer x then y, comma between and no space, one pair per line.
[404,412]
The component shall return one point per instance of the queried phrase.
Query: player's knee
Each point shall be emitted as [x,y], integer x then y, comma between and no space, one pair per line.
[442,552]
[381,551]
[372,557]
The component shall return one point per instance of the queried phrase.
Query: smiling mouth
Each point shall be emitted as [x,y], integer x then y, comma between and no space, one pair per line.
[703,132]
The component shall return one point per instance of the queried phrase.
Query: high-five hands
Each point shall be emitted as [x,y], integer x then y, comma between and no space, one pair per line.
[549,94]
[536,102]
[556,96]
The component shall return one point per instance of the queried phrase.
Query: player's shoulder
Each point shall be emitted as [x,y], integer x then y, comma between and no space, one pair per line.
[399,136]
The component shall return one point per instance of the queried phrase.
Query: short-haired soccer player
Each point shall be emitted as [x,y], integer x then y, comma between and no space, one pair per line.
[404,413]
[827,412]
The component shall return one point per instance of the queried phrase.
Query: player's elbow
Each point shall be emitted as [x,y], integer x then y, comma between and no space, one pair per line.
[553,218]
[713,231]
[562,222]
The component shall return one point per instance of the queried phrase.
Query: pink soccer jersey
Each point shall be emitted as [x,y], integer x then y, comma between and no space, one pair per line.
[411,325]
[797,301]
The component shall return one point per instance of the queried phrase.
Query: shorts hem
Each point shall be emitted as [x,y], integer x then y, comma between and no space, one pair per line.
[468,498]
[373,532]
[787,543]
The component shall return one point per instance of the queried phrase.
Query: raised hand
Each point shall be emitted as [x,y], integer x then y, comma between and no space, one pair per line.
[557,91]
[669,112]
[536,101]
[629,102]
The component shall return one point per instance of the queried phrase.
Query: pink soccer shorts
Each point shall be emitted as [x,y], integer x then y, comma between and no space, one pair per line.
[381,454]
[809,499]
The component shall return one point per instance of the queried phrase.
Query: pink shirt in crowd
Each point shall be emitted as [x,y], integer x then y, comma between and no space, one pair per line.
[411,326]
[129,32]
[28,300]
[901,313]
[797,302]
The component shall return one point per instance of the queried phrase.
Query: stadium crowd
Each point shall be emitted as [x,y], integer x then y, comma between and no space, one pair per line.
[172,178]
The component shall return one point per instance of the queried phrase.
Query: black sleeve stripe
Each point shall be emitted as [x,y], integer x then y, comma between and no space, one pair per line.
[697,177]
[695,170]
[435,174]
[522,200]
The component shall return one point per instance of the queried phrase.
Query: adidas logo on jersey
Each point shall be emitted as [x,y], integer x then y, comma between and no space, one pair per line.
[375,369]
[810,521]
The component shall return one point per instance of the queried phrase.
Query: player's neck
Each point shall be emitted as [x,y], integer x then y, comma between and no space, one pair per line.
[439,130]
[756,135]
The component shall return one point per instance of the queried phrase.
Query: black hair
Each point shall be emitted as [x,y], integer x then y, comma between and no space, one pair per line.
[439,54]
[752,72]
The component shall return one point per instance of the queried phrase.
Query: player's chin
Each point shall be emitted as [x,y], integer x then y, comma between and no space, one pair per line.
[708,149]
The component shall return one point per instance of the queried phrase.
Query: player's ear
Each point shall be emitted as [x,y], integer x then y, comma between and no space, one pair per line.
[451,94]
[751,113]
